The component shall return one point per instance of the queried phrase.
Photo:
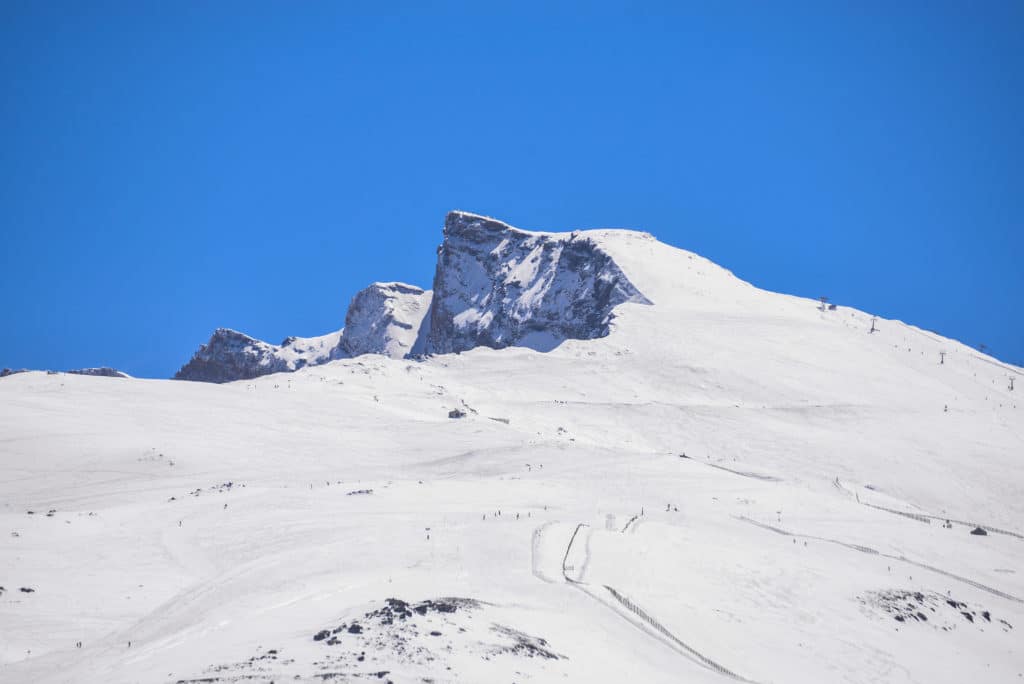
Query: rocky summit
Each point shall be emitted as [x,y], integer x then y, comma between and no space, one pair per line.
[715,484]
[497,286]
[494,286]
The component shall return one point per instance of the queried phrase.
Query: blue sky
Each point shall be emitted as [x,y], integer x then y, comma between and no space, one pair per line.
[168,168]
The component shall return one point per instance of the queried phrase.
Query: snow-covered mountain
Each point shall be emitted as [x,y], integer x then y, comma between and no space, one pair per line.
[728,485]
[496,286]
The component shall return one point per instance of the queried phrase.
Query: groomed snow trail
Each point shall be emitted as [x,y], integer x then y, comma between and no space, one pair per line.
[647,621]
[875,552]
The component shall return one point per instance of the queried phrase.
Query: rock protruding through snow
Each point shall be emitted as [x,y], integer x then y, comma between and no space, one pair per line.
[494,286]
[103,372]
[385,318]
[399,641]
[231,355]
[498,286]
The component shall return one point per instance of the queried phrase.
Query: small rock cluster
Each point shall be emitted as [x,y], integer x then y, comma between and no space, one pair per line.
[942,612]
[359,492]
[394,640]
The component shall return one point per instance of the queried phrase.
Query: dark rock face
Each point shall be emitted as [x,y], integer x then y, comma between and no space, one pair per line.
[231,355]
[12,371]
[498,286]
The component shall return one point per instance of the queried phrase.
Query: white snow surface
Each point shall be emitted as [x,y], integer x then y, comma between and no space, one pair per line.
[221,528]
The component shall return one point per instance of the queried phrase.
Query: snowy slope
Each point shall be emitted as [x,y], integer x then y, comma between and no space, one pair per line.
[731,485]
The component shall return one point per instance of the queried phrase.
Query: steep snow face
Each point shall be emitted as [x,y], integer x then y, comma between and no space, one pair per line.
[385,318]
[231,355]
[497,286]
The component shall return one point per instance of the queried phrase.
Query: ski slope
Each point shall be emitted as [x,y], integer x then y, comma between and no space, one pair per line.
[732,486]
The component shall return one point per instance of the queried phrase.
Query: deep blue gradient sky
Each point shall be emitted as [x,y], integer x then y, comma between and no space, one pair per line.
[170,167]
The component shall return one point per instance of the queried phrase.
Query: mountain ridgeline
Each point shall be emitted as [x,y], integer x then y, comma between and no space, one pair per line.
[494,286]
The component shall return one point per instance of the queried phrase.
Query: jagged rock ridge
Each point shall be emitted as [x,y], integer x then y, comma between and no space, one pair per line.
[494,286]
[104,371]
[231,355]
[384,318]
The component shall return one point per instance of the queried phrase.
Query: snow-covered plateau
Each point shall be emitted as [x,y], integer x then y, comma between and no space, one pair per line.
[637,468]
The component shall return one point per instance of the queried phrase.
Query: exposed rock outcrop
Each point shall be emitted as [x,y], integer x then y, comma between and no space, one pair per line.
[104,371]
[231,355]
[385,318]
[498,286]
[494,286]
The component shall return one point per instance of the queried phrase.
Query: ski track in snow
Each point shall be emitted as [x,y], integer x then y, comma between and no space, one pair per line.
[778,398]
[904,559]
[745,473]
[689,650]
[648,621]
